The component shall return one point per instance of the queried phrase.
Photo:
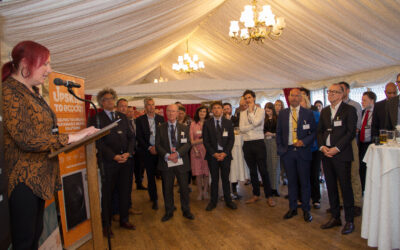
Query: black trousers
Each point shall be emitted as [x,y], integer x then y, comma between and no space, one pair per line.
[139,167]
[168,178]
[339,170]
[117,177]
[150,162]
[298,174]
[131,163]
[256,158]
[26,216]
[314,176]
[362,150]
[217,167]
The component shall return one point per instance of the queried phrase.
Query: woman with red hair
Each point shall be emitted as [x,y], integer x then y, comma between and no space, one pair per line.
[30,134]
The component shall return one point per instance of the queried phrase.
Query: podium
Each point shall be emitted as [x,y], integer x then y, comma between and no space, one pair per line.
[93,185]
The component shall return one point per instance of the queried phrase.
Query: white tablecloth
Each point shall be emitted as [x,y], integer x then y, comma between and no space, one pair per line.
[381,210]
[239,170]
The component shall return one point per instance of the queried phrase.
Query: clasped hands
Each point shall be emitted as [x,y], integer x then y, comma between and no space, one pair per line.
[173,157]
[329,152]
[122,158]
[219,156]
[298,143]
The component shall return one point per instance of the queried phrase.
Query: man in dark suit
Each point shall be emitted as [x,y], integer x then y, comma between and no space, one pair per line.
[379,113]
[218,139]
[173,145]
[336,130]
[114,151]
[393,110]
[295,134]
[146,126]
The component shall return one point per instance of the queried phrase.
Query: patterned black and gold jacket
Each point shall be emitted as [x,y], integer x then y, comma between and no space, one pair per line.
[28,139]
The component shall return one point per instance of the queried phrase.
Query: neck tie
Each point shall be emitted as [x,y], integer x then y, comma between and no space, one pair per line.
[365,121]
[112,116]
[219,133]
[172,133]
[294,125]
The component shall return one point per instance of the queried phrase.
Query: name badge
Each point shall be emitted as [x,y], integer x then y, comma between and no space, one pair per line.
[198,132]
[183,140]
[225,134]
[337,123]
[306,126]
[119,132]
[182,133]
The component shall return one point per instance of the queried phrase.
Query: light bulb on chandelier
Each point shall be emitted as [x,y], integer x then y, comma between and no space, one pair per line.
[257,25]
[187,64]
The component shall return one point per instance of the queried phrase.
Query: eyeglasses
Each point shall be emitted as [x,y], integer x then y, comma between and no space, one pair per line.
[333,92]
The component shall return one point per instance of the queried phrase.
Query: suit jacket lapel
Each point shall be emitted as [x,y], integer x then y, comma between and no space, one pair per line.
[338,112]
[166,130]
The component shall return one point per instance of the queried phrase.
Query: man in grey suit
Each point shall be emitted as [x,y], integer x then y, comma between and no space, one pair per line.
[173,144]
[393,110]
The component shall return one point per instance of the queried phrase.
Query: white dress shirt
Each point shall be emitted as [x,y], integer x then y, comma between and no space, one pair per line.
[252,124]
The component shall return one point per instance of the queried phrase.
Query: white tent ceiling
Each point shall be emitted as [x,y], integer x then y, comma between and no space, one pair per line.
[121,44]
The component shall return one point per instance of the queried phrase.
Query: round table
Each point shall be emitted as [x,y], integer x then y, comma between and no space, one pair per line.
[239,170]
[381,209]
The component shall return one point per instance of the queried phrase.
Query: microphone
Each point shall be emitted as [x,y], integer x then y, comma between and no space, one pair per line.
[68,84]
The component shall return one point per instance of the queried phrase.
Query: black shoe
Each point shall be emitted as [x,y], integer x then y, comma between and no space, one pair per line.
[331,223]
[155,205]
[141,187]
[231,205]
[210,206]
[357,211]
[290,214]
[348,228]
[188,215]
[287,196]
[316,205]
[307,216]
[236,196]
[275,193]
[166,217]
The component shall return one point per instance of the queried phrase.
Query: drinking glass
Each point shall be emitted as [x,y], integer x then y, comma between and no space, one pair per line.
[382,136]
[390,137]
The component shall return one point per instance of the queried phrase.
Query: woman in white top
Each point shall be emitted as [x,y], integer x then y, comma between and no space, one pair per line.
[251,127]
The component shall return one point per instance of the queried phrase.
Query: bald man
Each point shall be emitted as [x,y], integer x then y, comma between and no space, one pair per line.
[173,144]
[392,109]
[378,115]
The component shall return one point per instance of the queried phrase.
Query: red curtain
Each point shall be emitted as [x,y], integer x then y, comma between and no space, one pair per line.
[286,91]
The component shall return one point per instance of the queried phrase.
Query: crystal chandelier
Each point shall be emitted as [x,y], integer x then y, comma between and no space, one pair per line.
[257,25]
[160,79]
[187,64]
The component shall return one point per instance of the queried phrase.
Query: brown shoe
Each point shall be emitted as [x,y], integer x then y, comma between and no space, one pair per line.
[135,211]
[252,200]
[271,202]
[115,217]
[127,225]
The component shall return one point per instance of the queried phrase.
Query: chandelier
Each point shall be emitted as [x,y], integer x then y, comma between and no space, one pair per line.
[187,64]
[257,25]
[160,79]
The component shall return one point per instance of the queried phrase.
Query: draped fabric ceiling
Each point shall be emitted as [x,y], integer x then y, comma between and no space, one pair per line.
[123,44]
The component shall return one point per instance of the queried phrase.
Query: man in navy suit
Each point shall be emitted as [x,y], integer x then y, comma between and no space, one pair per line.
[336,131]
[295,134]
[114,151]
[173,145]
[218,139]
[146,126]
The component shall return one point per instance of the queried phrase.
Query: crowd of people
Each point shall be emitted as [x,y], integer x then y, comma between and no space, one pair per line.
[293,146]
[281,146]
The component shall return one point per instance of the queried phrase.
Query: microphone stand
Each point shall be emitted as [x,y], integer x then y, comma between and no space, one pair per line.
[107,213]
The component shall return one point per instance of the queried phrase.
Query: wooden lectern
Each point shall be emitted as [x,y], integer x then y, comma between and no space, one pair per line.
[93,184]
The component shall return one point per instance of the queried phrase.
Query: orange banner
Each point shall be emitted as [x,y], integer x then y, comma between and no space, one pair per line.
[73,200]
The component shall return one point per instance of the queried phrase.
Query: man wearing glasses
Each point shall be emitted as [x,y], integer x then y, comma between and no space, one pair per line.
[393,110]
[336,130]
